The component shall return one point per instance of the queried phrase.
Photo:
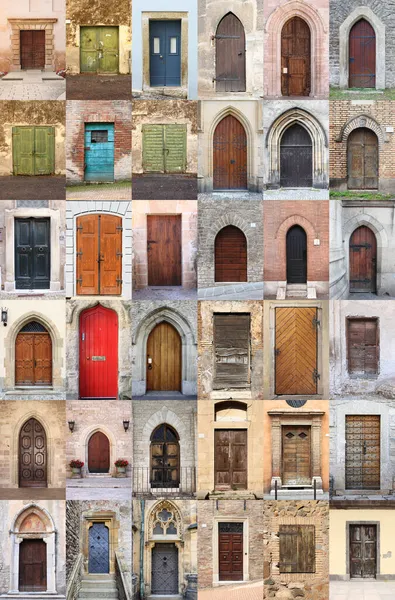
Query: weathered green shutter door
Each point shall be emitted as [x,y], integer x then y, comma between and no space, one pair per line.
[153,149]
[89,54]
[44,150]
[33,150]
[108,49]
[164,148]
[175,148]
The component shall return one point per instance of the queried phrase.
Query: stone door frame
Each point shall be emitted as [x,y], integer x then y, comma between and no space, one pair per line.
[107,518]
[24,24]
[215,550]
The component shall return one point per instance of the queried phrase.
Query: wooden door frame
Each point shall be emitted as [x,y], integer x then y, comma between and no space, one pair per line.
[348,554]
[350,318]
[246,549]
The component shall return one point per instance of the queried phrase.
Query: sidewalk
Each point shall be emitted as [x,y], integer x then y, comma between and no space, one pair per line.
[358,590]
[246,591]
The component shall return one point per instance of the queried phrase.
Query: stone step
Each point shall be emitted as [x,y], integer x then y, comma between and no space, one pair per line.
[29,596]
[103,585]
[96,593]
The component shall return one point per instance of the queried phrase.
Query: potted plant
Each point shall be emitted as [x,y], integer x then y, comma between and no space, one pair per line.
[121,465]
[76,466]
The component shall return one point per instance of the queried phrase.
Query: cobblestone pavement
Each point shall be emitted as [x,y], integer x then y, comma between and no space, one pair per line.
[13,90]
[165,293]
[242,291]
[296,194]
[100,192]
[247,591]
[368,590]
[236,196]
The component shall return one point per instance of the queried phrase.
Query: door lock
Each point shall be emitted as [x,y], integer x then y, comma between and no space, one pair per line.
[232,162]
[149,360]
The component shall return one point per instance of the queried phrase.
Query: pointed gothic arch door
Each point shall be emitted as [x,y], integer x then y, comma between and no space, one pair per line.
[230,255]
[33,356]
[362,55]
[296,157]
[363,159]
[165,457]
[295,58]
[230,67]
[296,255]
[32,455]
[164,359]
[363,260]
[229,155]
[98,453]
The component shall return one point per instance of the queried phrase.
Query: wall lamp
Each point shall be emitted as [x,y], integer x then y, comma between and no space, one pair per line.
[126,425]
[4,316]
[71,426]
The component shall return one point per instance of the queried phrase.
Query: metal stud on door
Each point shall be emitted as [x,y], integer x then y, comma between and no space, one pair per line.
[164,569]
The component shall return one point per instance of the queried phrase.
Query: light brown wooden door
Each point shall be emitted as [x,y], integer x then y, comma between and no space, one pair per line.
[230,155]
[98,453]
[295,58]
[296,455]
[363,551]
[296,351]
[99,255]
[230,459]
[164,249]
[164,359]
[33,566]
[33,356]
[230,255]
[363,346]
[232,350]
[363,260]
[363,452]
[297,548]
[32,455]
[363,160]
[230,551]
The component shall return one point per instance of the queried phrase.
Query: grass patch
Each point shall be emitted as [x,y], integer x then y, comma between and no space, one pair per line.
[361,94]
[361,195]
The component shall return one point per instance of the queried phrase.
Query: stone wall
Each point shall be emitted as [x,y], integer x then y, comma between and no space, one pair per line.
[73,547]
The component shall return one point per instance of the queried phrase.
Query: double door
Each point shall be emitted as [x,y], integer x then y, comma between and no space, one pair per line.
[32,455]
[165,53]
[32,253]
[164,148]
[230,155]
[33,356]
[33,150]
[32,43]
[295,58]
[363,452]
[230,551]
[363,160]
[363,551]
[99,50]
[230,459]
[296,446]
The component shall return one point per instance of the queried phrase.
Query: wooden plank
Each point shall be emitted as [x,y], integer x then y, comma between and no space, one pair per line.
[232,350]
[110,254]
[230,68]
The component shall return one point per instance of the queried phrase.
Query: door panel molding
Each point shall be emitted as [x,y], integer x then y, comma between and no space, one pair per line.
[349,525]
[236,519]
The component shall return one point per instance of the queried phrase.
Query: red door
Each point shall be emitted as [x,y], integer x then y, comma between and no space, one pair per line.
[98,353]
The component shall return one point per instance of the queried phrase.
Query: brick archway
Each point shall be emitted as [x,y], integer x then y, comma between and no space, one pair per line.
[25,24]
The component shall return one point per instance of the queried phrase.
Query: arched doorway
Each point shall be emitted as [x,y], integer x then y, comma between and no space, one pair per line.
[165,457]
[99,548]
[98,358]
[229,155]
[363,159]
[296,157]
[362,55]
[98,453]
[164,358]
[230,255]
[32,454]
[295,58]
[33,356]
[230,67]
[363,261]
[296,255]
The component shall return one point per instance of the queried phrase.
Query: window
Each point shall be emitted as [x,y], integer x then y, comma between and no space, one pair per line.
[99,136]
[156,45]
[297,548]
[173,45]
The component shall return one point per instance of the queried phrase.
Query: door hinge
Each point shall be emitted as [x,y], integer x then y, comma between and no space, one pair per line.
[277,351]
[119,228]
[79,280]
[79,253]
[119,281]
[79,227]
[316,322]
[316,376]
[118,254]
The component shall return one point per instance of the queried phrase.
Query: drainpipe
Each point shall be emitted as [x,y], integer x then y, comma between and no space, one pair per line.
[142,587]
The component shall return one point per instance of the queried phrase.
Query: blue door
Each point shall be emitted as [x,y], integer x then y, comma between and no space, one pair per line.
[99,549]
[99,152]
[165,53]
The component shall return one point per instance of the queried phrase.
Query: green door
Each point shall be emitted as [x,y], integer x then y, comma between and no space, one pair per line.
[99,50]
[164,148]
[33,150]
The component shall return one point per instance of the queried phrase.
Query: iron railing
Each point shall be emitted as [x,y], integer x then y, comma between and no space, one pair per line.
[144,485]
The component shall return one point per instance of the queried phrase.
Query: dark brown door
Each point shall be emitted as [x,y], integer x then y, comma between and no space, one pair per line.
[230,155]
[295,58]
[230,459]
[98,453]
[99,255]
[33,356]
[363,452]
[230,538]
[33,566]
[230,255]
[296,255]
[296,351]
[32,455]
[296,455]
[230,67]
[32,49]
[164,359]
[297,548]
[232,350]
[363,551]
[363,159]
[296,158]
[363,252]
[363,346]
[164,249]
[362,58]
[165,457]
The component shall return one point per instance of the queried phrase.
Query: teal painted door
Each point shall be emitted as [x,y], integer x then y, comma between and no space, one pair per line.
[164,148]
[99,50]
[99,152]
[33,150]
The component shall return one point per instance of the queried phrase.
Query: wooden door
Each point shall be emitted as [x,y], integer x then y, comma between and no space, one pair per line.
[32,455]
[297,548]
[99,549]
[296,158]
[232,350]
[33,356]
[295,58]
[164,250]
[32,253]
[230,55]
[296,446]
[230,551]
[229,155]
[99,255]
[98,453]
[164,148]
[165,53]
[33,150]
[296,255]
[363,159]
[362,55]
[165,457]
[164,359]
[98,359]
[33,566]
[363,261]
[164,580]
[230,255]
[296,351]
[363,350]
[99,50]
[363,551]
[362,452]
[230,459]
[99,152]
[32,43]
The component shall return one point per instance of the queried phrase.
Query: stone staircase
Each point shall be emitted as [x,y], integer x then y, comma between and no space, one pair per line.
[94,587]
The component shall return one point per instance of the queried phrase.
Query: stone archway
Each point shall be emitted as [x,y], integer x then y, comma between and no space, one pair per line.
[23,24]
[362,121]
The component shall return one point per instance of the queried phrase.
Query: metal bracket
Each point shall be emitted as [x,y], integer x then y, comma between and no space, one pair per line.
[316,322]
[316,376]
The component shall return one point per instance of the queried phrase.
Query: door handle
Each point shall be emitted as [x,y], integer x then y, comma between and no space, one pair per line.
[88,357]
[364,447]
[149,361]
